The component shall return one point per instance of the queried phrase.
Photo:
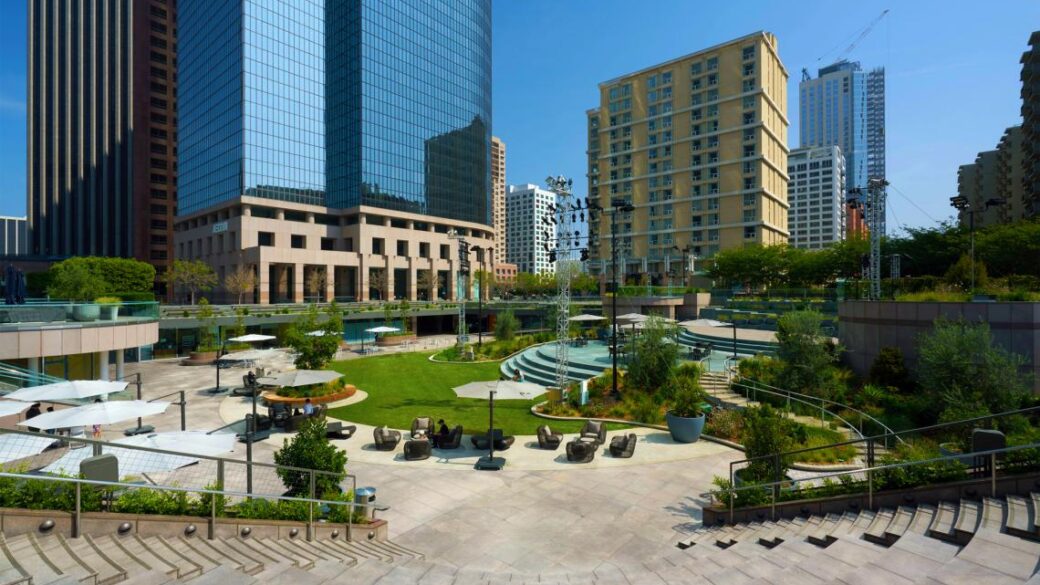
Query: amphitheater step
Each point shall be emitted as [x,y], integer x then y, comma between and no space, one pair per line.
[108,571]
[1020,519]
[186,565]
[11,572]
[54,549]
[223,576]
[968,514]
[33,561]
[943,522]
[226,555]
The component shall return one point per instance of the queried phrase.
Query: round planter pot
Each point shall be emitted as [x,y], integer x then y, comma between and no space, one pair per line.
[386,341]
[684,430]
[86,312]
[109,312]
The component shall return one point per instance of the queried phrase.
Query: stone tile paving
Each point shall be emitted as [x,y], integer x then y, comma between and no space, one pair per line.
[551,518]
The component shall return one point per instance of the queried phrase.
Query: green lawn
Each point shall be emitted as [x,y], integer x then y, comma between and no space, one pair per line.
[403,386]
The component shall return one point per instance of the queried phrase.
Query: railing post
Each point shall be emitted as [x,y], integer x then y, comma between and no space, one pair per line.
[184,413]
[79,510]
[993,475]
[870,488]
[732,501]
[310,508]
[772,508]
[870,453]
[220,473]
[211,533]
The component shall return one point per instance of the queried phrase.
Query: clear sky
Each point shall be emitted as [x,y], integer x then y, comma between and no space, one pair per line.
[953,77]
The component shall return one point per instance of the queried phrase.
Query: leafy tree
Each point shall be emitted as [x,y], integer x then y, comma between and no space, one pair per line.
[806,352]
[208,326]
[316,284]
[1010,248]
[506,325]
[119,275]
[889,369]
[426,281]
[310,449]
[752,266]
[241,282]
[653,358]
[959,274]
[767,433]
[194,275]
[75,282]
[314,352]
[377,283]
[404,313]
[960,367]
[239,326]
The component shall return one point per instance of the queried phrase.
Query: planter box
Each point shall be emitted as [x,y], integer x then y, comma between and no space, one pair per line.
[347,391]
[684,430]
[86,312]
[385,341]
[200,358]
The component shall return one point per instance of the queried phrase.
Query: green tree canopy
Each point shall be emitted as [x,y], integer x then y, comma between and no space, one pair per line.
[75,282]
[806,352]
[652,359]
[310,449]
[115,275]
[314,352]
[193,275]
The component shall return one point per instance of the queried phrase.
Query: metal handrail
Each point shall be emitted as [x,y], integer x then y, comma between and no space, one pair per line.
[875,438]
[774,486]
[768,389]
[79,482]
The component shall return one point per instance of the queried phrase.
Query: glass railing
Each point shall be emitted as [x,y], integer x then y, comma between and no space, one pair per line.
[80,313]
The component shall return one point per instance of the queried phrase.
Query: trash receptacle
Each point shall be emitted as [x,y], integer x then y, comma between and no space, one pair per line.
[366,497]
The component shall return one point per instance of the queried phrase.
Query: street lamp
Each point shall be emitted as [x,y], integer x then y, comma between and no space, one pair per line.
[961,203]
[625,206]
[480,293]
[685,262]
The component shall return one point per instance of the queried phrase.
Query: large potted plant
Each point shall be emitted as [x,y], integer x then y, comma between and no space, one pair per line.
[688,405]
[109,307]
[77,283]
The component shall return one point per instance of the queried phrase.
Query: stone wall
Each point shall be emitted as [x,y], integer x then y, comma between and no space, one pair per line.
[864,327]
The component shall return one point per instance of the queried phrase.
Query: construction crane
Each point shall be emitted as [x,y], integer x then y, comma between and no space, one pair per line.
[859,38]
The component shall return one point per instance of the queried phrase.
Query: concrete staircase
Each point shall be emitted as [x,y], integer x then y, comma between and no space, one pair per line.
[990,541]
[723,343]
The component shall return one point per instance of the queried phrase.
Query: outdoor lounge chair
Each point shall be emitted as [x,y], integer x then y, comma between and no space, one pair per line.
[623,446]
[417,450]
[504,443]
[386,439]
[580,451]
[480,442]
[547,439]
[422,426]
[336,430]
[454,440]
[279,414]
[594,430]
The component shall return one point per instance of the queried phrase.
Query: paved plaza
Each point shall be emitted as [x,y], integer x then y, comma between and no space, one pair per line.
[541,514]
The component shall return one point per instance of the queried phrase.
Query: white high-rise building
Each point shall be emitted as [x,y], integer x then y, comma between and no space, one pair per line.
[816,192]
[527,235]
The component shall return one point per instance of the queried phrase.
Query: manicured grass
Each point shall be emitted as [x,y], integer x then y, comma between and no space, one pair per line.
[403,386]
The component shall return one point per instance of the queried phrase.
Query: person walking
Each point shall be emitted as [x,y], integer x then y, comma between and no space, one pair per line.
[96,428]
[33,412]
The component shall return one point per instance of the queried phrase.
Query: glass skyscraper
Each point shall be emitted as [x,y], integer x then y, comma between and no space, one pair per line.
[339,103]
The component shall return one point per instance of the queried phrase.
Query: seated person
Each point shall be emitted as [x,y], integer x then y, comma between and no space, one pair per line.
[308,408]
[518,376]
[442,435]
[251,379]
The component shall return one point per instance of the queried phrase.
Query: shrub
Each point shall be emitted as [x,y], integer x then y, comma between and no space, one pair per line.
[506,325]
[75,282]
[310,449]
[767,432]
[685,395]
[889,369]
[149,501]
[653,358]
[726,424]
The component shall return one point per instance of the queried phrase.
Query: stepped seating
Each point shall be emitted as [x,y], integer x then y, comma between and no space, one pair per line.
[992,540]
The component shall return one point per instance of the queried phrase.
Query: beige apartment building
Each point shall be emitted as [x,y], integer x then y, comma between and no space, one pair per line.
[304,253]
[698,145]
[503,271]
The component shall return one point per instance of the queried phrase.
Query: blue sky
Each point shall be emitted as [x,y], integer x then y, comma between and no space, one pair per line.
[952,77]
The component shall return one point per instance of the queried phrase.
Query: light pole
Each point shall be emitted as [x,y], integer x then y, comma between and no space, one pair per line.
[685,263]
[961,203]
[480,294]
[618,205]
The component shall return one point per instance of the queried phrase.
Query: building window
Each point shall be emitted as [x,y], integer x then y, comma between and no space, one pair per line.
[265,239]
[402,247]
[298,241]
[445,252]
[749,232]
[748,53]
[377,245]
[328,243]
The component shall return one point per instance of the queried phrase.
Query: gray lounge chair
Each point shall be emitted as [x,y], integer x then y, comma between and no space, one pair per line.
[422,426]
[623,446]
[336,430]
[417,450]
[581,451]
[454,440]
[386,439]
[594,430]
[547,439]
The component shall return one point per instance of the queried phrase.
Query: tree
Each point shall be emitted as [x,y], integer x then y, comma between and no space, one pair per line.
[960,274]
[404,312]
[807,353]
[653,358]
[767,433]
[309,448]
[752,266]
[316,283]
[959,367]
[75,282]
[208,326]
[425,282]
[238,328]
[116,275]
[240,282]
[889,369]
[506,325]
[314,352]
[194,275]
[377,282]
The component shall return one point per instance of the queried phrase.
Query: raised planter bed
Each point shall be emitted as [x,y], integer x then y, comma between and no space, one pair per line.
[295,402]
[392,340]
[200,358]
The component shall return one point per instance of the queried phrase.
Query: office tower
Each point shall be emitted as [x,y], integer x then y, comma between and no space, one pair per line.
[845,106]
[528,237]
[334,144]
[1011,177]
[101,140]
[503,270]
[1031,123]
[14,235]
[816,192]
[698,145]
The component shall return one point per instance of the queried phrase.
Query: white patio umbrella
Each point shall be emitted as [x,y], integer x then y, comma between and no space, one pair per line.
[67,390]
[318,333]
[704,323]
[586,318]
[376,331]
[14,446]
[634,317]
[97,413]
[505,389]
[9,407]
[296,378]
[252,338]
[189,444]
[248,355]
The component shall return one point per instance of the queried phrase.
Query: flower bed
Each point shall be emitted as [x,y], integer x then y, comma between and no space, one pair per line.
[346,391]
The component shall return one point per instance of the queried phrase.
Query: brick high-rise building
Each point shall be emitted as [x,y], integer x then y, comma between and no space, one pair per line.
[102,114]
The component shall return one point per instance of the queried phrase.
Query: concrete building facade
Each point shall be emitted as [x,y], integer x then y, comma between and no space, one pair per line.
[102,108]
[698,145]
[503,270]
[1031,124]
[14,236]
[528,236]
[816,192]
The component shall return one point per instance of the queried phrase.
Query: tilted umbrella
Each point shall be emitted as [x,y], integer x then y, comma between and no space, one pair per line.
[703,323]
[188,445]
[15,446]
[97,413]
[67,390]
[295,378]
[247,355]
[506,389]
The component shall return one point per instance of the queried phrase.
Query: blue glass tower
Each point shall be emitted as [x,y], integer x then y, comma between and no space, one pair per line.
[340,103]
